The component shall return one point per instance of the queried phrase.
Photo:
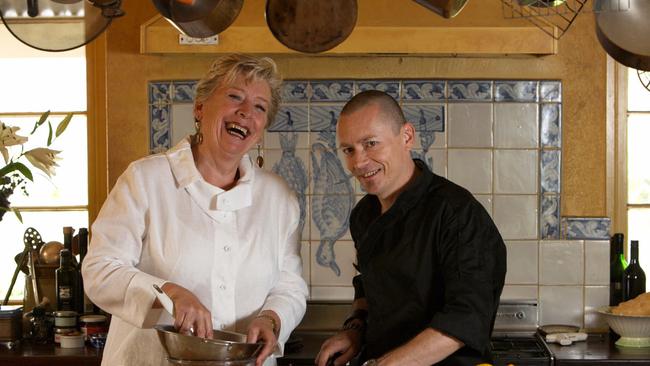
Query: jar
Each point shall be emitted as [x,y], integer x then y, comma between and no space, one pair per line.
[92,324]
[62,331]
[73,340]
[65,318]
[98,340]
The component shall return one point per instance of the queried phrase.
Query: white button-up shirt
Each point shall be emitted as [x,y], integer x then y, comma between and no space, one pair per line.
[238,251]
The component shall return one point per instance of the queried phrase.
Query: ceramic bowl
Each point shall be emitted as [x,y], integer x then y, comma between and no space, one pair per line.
[633,329]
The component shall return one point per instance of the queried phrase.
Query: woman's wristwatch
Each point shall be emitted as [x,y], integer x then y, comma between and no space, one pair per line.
[370,362]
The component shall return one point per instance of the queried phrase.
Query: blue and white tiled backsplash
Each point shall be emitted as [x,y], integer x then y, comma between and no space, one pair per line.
[500,139]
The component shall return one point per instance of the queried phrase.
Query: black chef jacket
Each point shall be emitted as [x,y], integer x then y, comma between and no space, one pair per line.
[434,259]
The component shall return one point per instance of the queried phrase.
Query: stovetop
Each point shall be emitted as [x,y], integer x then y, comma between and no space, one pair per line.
[521,351]
[514,339]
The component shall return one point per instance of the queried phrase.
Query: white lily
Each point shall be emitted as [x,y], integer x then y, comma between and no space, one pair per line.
[8,137]
[43,159]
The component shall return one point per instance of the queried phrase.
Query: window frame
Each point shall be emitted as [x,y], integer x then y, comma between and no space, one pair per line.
[617,152]
[96,130]
[617,146]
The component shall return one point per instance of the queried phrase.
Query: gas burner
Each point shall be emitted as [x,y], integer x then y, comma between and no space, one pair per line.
[520,351]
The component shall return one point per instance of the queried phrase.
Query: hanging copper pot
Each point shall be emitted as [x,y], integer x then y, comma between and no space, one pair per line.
[624,34]
[446,8]
[200,18]
[311,26]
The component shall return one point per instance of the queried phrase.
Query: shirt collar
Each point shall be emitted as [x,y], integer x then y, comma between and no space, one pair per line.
[182,164]
[414,191]
[188,176]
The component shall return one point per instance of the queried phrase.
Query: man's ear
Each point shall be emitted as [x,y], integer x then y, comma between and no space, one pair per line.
[408,134]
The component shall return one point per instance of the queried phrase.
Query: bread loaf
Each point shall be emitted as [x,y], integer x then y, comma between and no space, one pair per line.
[640,305]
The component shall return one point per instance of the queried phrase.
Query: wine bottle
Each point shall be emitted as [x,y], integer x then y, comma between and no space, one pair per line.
[67,238]
[616,269]
[85,305]
[65,282]
[67,242]
[634,281]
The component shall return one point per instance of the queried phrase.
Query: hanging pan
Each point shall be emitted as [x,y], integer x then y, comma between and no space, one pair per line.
[311,26]
[200,18]
[625,34]
[445,8]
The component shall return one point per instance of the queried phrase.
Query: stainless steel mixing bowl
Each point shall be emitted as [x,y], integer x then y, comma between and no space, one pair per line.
[225,346]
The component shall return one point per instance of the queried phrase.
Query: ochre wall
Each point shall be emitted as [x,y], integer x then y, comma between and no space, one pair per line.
[580,64]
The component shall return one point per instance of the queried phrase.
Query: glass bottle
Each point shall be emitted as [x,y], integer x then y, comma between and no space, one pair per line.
[616,269]
[66,284]
[84,305]
[67,242]
[634,281]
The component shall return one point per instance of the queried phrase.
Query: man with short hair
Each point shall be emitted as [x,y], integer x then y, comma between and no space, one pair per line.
[431,261]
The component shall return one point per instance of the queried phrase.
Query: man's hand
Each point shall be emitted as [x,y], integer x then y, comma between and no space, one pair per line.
[265,327]
[347,343]
[190,316]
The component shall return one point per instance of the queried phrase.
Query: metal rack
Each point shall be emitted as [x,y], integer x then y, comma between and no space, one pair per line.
[554,17]
[644,77]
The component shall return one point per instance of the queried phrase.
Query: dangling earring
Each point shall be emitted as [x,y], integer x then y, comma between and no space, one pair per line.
[197,138]
[260,158]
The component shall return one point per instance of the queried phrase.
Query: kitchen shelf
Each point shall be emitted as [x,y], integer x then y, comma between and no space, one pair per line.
[158,36]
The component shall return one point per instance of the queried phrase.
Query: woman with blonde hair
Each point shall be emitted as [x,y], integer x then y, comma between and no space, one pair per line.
[217,234]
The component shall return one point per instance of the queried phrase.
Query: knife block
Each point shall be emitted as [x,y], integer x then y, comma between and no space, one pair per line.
[46,283]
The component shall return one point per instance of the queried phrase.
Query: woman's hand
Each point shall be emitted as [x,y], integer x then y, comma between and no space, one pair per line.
[190,316]
[265,327]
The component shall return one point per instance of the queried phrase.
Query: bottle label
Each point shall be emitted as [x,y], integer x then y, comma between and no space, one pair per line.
[65,292]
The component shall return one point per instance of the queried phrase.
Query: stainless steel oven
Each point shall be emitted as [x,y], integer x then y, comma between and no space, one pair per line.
[515,339]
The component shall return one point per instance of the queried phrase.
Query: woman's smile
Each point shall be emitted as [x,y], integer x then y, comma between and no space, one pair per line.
[237,130]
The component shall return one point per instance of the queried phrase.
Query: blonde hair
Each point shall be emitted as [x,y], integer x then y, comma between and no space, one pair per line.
[226,69]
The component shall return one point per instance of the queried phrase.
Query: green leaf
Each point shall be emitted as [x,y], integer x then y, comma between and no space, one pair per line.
[19,167]
[7,169]
[64,124]
[24,170]
[18,215]
[49,136]
[40,121]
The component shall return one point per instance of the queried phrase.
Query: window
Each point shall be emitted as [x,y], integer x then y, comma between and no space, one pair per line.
[33,82]
[638,170]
